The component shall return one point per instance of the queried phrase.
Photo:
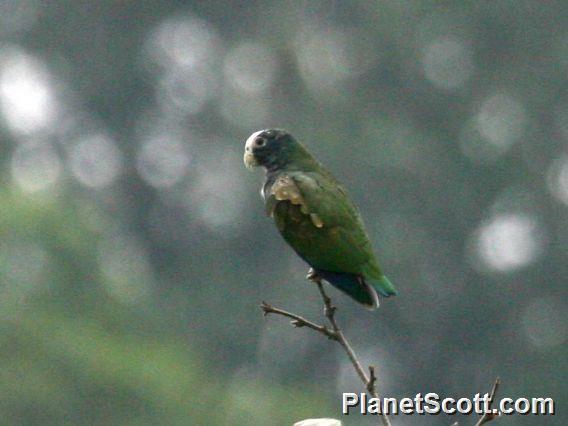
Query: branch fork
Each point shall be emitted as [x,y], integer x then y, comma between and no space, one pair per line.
[334,332]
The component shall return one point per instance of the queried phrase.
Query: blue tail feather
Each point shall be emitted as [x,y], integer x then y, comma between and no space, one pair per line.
[383,286]
[353,286]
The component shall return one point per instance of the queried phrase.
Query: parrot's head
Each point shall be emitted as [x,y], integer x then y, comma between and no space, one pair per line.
[270,148]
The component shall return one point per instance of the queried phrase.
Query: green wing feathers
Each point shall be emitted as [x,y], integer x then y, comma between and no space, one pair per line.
[316,217]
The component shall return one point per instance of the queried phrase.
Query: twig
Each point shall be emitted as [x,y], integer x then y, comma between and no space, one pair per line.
[487,417]
[329,312]
[333,333]
[297,320]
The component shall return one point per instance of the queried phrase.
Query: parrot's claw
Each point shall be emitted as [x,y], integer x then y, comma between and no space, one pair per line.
[313,276]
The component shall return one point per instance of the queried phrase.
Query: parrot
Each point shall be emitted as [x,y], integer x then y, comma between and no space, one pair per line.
[316,217]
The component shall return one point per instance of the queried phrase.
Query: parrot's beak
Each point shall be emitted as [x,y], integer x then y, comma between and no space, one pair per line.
[250,160]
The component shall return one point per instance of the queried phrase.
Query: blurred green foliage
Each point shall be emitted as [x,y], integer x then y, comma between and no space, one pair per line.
[72,355]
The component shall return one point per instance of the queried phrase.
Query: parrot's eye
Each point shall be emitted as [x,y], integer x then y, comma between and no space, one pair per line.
[260,142]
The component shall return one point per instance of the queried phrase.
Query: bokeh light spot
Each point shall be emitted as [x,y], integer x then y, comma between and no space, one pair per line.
[447,63]
[323,59]
[186,93]
[328,58]
[509,242]
[186,42]
[557,179]
[95,161]
[187,51]
[477,148]
[544,322]
[250,67]
[217,196]
[26,96]
[162,161]
[501,120]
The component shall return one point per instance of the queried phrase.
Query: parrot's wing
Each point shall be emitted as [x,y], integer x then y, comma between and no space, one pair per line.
[285,188]
[325,202]
[324,196]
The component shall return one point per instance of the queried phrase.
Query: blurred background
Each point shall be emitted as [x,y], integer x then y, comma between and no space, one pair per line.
[134,249]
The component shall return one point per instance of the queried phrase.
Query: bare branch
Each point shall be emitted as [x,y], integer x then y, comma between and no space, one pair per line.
[333,333]
[372,379]
[298,321]
[329,312]
[487,417]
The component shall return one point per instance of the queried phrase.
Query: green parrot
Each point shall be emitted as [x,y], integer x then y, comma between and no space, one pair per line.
[316,217]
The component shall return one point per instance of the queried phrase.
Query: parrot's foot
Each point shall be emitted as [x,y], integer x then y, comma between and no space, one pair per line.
[313,276]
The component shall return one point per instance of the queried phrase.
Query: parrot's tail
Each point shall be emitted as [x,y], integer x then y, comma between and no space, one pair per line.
[354,285]
[383,286]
